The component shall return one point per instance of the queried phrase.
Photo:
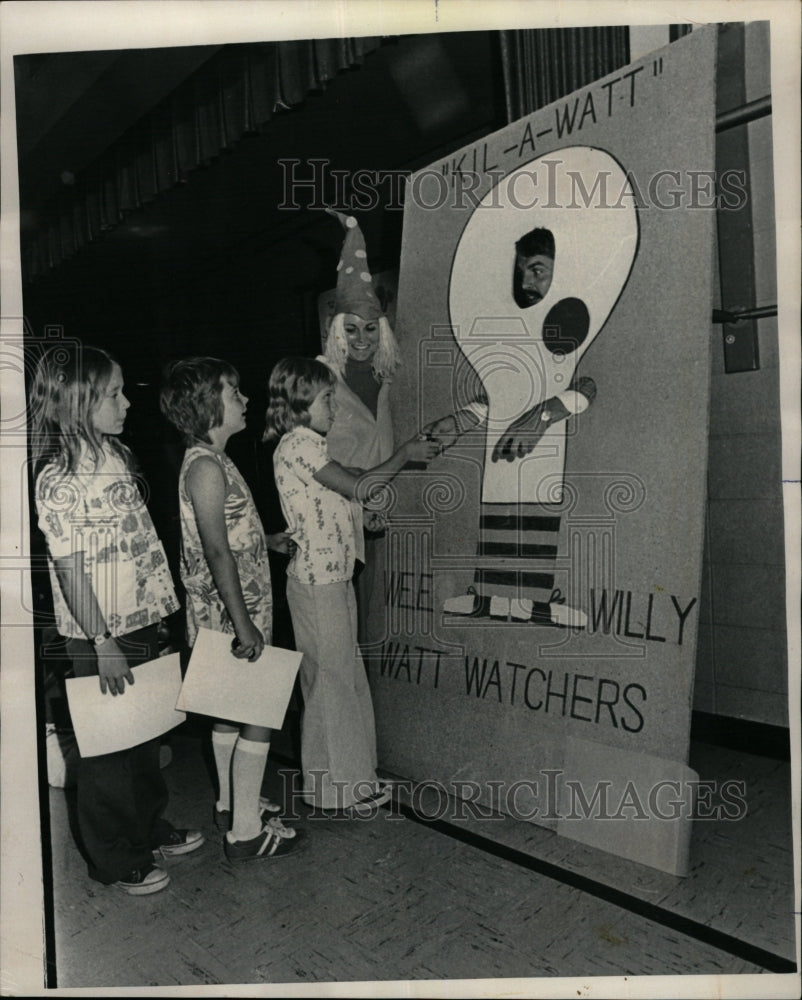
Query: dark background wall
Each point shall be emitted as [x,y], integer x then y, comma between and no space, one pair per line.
[230,262]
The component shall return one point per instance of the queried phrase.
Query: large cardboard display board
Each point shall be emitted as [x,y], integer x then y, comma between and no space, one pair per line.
[621,173]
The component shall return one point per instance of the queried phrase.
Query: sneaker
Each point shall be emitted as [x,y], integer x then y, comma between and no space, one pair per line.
[179,842]
[267,844]
[222,817]
[143,881]
[275,823]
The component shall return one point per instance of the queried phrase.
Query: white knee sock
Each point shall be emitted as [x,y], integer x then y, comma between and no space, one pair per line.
[223,749]
[247,772]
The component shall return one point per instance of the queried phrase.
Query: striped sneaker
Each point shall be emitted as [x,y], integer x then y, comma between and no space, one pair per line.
[267,844]
[222,817]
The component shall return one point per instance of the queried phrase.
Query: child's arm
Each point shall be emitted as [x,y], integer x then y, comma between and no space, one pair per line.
[357,487]
[280,542]
[447,430]
[112,666]
[207,491]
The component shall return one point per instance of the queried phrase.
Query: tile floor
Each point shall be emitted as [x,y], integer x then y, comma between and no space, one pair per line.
[397,898]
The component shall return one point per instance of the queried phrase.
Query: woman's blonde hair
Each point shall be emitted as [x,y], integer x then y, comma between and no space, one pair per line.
[386,359]
[294,383]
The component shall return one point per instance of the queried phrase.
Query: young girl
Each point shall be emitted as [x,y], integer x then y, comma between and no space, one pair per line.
[111,588]
[226,574]
[338,740]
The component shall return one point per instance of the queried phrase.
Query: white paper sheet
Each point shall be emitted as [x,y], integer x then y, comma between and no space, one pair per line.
[104,723]
[220,685]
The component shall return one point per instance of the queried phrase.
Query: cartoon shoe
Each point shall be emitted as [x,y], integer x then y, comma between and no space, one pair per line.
[470,605]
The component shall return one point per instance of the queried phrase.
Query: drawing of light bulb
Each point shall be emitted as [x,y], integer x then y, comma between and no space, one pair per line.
[538,269]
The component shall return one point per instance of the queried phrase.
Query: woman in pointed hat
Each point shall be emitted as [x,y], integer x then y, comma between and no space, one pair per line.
[363,353]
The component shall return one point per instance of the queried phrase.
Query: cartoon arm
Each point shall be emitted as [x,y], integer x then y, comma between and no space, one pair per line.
[524,433]
[448,430]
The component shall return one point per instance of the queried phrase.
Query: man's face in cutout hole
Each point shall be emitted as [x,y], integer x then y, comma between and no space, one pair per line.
[533,278]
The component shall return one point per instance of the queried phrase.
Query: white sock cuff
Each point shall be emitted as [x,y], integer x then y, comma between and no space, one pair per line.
[224,739]
[254,747]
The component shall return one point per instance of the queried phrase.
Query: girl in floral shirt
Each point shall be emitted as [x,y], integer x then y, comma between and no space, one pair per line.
[226,575]
[111,588]
[321,501]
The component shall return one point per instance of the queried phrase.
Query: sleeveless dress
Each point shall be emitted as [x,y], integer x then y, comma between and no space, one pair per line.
[246,538]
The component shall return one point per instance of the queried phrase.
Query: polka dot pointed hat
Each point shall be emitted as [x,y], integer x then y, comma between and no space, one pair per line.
[355,293]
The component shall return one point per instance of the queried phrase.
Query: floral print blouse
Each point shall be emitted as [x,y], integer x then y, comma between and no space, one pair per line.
[98,510]
[320,521]
[246,539]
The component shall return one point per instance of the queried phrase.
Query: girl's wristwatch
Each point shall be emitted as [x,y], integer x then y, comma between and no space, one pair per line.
[98,640]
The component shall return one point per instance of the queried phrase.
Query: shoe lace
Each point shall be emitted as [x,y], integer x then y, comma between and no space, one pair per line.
[276,825]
